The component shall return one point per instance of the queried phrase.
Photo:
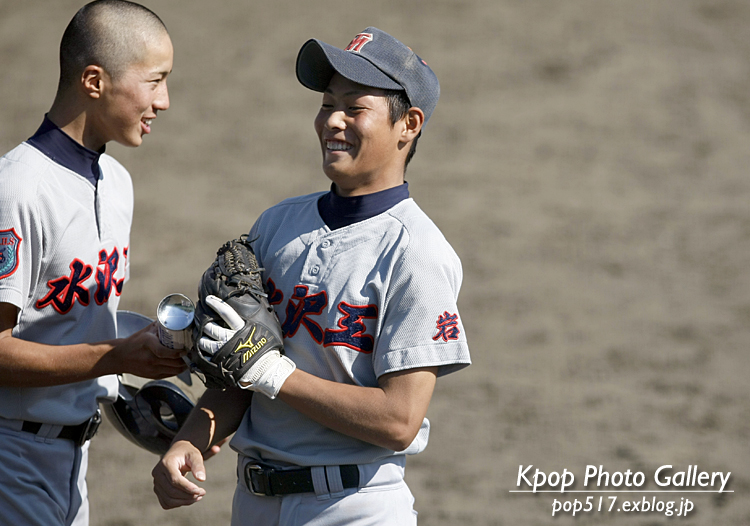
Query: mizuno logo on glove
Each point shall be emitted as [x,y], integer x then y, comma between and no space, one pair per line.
[251,347]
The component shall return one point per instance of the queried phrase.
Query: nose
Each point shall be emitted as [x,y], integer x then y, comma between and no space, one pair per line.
[335,120]
[162,99]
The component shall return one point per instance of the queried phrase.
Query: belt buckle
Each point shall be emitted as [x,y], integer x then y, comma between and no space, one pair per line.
[91,428]
[257,479]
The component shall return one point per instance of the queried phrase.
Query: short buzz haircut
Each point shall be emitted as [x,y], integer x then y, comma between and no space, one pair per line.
[107,33]
[398,107]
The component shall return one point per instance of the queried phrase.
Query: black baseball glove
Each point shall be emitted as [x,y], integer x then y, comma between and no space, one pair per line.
[237,336]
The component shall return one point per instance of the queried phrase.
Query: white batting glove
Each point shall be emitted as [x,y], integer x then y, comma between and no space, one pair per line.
[269,374]
[272,369]
[218,335]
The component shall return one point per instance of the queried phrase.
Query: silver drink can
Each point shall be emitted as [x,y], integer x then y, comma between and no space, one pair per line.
[175,315]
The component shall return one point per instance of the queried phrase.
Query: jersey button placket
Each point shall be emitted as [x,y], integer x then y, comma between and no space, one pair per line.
[324,254]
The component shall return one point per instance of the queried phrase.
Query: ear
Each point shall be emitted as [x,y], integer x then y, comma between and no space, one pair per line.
[93,79]
[413,122]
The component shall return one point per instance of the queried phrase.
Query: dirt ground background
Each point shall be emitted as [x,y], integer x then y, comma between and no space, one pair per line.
[588,162]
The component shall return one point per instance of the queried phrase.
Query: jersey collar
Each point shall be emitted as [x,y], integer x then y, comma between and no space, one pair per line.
[61,148]
[338,212]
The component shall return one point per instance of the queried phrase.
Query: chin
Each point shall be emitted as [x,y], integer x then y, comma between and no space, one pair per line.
[131,142]
[335,172]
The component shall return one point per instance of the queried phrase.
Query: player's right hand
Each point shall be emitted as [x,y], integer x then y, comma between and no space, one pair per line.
[172,487]
[143,355]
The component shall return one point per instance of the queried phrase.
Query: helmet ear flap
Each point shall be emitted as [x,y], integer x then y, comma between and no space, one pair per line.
[164,406]
[151,416]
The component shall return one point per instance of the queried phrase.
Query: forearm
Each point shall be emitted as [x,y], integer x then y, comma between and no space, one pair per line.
[30,364]
[216,416]
[389,415]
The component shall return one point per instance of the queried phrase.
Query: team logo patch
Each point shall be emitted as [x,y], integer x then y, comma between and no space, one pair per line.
[447,327]
[358,42]
[9,243]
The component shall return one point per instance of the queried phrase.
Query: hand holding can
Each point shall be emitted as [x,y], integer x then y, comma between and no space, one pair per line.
[175,315]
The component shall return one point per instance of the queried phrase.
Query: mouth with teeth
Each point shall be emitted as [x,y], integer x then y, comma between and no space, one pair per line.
[146,125]
[338,146]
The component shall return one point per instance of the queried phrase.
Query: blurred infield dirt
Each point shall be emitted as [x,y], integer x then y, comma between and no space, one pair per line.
[585,161]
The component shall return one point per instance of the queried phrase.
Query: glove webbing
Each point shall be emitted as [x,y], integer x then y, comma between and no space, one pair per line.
[245,279]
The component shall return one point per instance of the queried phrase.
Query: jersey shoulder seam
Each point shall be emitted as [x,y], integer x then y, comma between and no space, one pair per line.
[300,199]
[415,222]
[289,202]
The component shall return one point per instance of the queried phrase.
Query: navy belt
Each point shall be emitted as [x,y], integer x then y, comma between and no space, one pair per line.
[79,434]
[264,480]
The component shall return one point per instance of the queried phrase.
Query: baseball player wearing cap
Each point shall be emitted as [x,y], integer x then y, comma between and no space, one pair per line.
[65,216]
[365,287]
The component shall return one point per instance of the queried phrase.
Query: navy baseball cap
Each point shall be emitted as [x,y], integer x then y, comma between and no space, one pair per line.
[375,59]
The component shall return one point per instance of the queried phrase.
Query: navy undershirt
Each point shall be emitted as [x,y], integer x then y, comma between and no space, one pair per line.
[338,212]
[61,148]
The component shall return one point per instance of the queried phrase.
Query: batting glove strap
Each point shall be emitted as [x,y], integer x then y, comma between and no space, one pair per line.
[268,374]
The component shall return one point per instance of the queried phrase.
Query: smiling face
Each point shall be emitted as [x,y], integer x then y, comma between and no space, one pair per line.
[363,152]
[130,101]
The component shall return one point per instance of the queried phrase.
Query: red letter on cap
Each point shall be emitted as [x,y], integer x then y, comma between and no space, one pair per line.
[356,45]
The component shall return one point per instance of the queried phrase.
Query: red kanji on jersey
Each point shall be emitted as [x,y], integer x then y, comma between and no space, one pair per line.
[302,306]
[275,296]
[66,290]
[105,276]
[447,326]
[299,308]
[352,331]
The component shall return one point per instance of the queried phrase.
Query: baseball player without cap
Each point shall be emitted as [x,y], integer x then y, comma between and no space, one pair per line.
[375,59]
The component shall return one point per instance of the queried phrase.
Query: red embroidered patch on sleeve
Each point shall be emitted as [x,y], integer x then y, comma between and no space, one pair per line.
[447,327]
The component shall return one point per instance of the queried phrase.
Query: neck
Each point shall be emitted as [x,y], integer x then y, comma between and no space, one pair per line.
[362,190]
[339,211]
[71,115]
[355,188]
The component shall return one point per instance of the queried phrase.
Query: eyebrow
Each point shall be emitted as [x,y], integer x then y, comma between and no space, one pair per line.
[348,93]
[161,73]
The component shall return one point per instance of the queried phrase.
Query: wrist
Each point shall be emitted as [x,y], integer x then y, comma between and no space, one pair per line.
[269,376]
[107,358]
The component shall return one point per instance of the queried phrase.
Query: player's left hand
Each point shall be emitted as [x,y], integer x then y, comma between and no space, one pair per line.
[215,449]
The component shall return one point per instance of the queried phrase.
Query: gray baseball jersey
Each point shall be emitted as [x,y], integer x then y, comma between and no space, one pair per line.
[63,263]
[355,303]
[64,237]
